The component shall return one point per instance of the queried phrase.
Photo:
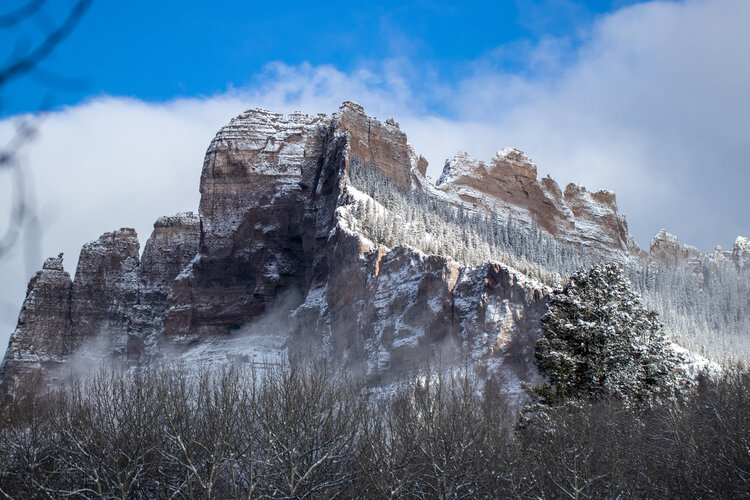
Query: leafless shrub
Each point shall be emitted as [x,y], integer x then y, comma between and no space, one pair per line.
[306,430]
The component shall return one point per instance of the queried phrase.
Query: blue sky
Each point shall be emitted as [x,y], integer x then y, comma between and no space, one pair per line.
[648,99]
[160,50]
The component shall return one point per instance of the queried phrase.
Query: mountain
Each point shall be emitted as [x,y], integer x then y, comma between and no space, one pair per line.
[322,234]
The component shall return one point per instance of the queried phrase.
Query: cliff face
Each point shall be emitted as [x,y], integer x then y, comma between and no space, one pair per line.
[270,265]
[109,313]
[171,247]
[383,312]
[508,185]
[41,341]
[105,291]
[268,191]
[666,249]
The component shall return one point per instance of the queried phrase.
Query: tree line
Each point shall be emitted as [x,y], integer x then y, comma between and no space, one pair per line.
[306,430]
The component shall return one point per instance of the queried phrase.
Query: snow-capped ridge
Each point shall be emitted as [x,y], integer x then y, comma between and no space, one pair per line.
[667,248]
[508,187]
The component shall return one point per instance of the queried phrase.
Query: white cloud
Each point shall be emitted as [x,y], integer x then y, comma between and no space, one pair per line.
[653,105]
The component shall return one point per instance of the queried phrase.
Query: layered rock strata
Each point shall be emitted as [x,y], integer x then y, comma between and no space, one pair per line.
[105,291]
[270,186]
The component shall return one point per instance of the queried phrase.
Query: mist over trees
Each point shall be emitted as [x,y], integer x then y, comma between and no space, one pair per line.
[704,306]
[310,431]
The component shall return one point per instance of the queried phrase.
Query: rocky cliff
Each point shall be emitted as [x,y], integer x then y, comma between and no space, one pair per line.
[109,313]
[276,263]
[509,184]
[42,340]
[665,248]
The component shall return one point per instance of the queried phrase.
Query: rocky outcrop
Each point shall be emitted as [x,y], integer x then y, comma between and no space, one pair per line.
[508,186]
[382,145]
[86,319]
[171,247]
[268,191]
[270,186]
[41,341]
[104,293]
[665,248]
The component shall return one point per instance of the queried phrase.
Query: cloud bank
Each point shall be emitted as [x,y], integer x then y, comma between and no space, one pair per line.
[652,104]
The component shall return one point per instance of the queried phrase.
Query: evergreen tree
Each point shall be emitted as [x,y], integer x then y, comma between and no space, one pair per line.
[599,341]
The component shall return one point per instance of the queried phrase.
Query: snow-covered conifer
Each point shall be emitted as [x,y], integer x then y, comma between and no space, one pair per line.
[599,341]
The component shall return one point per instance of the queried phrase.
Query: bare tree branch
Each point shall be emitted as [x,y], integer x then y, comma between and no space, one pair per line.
[30,61]
[21,14]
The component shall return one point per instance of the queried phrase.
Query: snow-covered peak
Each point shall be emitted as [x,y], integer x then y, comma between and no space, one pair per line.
[462,165]
[742,244]
[666,247]
[664,236]
[512,154]
[54,263]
